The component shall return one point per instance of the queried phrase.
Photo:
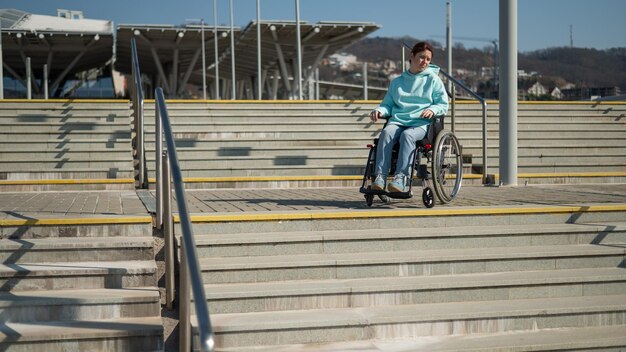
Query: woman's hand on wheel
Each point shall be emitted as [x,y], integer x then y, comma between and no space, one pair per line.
[375,115]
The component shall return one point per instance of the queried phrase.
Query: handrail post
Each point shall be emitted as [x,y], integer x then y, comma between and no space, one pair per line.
[158,168]
[184,335]
[452,91]
[168,234]
[141,154]
[136,95]
[191,274]
[484,105]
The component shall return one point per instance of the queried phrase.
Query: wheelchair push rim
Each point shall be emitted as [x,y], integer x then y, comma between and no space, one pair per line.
[447,166]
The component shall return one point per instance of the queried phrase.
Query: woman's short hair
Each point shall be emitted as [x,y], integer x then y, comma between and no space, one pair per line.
[421,46]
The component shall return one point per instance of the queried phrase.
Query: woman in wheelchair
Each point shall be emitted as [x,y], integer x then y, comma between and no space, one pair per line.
[412,100]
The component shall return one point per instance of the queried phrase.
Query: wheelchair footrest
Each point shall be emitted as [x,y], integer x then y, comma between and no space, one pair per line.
[399,195]
[369,190]
[396,195]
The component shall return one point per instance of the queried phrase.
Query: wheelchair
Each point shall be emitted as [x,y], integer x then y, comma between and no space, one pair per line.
[441,150]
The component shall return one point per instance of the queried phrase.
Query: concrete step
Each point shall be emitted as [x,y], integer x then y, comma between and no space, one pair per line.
[442,319]
[65,105]
[126,334]
[95,135]
[405,238]
[66,164]
[275,124]
[243,143]
[71,232]
[62,127]
[407,263]
[74,144]
[556,140]
[68,155]
[604,338]
[550,150]
[79,304]
[558,168]
[286,134]
[306,220]
[597,135]
[24,116]
[295,170]
[266,151]
[67,174]
[75,249]
[267,162]
[77,275]
[381,291]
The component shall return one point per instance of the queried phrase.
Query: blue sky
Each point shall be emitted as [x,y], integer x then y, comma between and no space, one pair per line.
[596,24]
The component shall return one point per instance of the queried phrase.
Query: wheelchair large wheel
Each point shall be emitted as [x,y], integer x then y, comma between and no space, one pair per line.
[447,166]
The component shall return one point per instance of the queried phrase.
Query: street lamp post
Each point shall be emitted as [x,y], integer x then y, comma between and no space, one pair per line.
[215,47]
[298,51]
[232,53]
[203,60]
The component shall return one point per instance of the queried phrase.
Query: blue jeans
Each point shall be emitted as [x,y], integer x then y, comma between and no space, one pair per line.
[391,134]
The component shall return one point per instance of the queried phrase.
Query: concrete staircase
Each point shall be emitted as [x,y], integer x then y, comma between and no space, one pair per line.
[323,143]
[274,139]
[552,137]
[60,140]
[77,287]
[430,283]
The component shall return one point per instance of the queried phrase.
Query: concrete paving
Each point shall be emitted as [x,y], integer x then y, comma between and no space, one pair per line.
[119,204]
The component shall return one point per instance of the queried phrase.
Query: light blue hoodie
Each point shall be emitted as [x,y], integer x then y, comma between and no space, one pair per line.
[410,94]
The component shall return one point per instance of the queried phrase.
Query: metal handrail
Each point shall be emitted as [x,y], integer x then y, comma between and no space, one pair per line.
[136,98]
[190,267]
[483,103]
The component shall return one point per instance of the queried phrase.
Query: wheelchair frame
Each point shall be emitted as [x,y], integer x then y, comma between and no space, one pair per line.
[446,167]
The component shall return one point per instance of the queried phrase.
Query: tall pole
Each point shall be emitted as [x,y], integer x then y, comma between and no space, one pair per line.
[365,81]
[232,53]
[45,81]
[203,61]
[508,92]
[1,64]
[29,91]
[449,41]
[258,49]
[299,51]
[215,47]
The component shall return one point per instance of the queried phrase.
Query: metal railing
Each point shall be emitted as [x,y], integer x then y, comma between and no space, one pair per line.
[136,99]
[452,94]
[189,266]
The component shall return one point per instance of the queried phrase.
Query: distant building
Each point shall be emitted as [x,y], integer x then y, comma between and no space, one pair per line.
[590,93]
[556,93]
[70,14]
[343,60]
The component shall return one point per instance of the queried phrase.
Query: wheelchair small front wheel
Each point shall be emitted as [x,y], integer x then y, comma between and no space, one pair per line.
[385,199]
[428,197]
[369,199]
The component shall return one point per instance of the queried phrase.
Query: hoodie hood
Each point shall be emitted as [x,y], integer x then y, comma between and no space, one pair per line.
[430,70]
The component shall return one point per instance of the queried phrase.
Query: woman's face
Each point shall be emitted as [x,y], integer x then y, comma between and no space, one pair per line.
[420,61]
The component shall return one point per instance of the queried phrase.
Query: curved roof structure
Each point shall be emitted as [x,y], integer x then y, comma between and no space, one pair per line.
[167,51]
[66,46]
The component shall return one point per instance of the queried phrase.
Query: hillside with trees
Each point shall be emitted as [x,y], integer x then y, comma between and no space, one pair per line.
[561,67]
